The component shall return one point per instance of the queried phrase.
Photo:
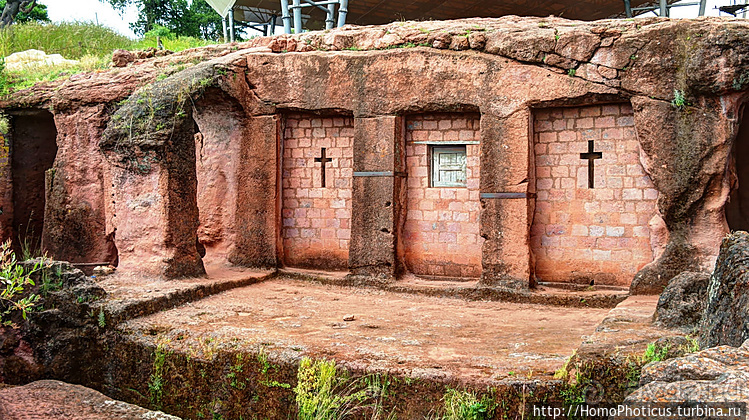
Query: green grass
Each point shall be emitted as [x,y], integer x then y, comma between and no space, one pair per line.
[655,353]
[87,42]
[324,392]
[465,405]
[73,40]
[173,44]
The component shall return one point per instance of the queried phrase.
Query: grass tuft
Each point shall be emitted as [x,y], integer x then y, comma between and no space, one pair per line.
[465,405]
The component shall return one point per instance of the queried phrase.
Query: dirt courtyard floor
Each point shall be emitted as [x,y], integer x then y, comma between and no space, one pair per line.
[369,329]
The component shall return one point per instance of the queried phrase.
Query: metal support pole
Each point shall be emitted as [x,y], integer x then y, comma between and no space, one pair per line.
[664,8]
[231,24]
[286,16]
[226,31]
[628,8]
[312,3]
[330,18]
[342,12]
[271,28]
[703,6]
[298,17]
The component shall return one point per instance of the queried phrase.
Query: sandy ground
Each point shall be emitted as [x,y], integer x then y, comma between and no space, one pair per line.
[411,334]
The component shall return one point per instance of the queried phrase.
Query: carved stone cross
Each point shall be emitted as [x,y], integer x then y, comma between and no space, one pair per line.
[323,160]
[591,156]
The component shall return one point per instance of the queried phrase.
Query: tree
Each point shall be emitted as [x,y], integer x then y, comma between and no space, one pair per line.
[22,11]
[37,14]
[196,19]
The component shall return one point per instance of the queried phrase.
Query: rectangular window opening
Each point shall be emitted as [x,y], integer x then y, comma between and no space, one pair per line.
[448,166]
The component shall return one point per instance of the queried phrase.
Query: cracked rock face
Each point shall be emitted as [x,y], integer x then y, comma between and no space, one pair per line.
[682,302]
[718,374]
[726,317]
[58,400]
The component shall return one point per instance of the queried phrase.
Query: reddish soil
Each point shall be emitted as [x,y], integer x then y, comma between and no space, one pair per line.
[408,334]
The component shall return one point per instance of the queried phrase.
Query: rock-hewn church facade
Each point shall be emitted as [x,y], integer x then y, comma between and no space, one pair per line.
[508,150]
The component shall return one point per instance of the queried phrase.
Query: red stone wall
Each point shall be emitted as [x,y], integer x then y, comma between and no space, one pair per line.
[581,234]
[317,221]
[441,233]
[217,150]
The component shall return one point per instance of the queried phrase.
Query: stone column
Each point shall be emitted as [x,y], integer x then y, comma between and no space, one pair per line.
[156,212]
[379,162]
[506,213]
[257,213]
[75,214]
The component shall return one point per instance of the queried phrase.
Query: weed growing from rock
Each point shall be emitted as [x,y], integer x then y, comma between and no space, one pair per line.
[655,353]
[679,100]
[4,120]
[4,90]
[324,393]
[465,405]
[13,281]
[156,382]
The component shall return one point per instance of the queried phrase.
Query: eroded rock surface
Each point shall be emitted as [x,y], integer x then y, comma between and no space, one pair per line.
[682,302]
[726,317]
[58,338]
[52,400]
[719,374]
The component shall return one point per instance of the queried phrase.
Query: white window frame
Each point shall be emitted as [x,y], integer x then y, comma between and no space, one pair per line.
[434,153]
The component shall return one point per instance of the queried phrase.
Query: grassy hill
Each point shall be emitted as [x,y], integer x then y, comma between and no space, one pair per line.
[87,42]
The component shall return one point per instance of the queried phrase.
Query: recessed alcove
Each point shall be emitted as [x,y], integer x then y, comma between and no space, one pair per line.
[737,208]
[33,150]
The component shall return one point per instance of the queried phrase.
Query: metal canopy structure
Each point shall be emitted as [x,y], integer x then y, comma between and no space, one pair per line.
[319,14]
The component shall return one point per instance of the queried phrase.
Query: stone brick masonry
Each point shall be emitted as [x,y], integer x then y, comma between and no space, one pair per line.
[442,224]
[581,234]
[316,220]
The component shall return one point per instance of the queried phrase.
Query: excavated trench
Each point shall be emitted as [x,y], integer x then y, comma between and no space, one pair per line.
[231,346]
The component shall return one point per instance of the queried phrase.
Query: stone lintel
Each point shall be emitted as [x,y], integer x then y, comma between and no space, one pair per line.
[378,148]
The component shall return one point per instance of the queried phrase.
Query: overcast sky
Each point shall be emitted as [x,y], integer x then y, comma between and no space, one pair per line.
[91,11]
[97,11]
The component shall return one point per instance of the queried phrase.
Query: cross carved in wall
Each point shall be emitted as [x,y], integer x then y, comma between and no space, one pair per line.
[591,156]
[323,160]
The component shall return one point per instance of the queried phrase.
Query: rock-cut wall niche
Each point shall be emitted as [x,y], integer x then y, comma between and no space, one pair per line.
[33,150]
[591,230]
[317,181]
[441,232]
[221,128]
[737,207]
